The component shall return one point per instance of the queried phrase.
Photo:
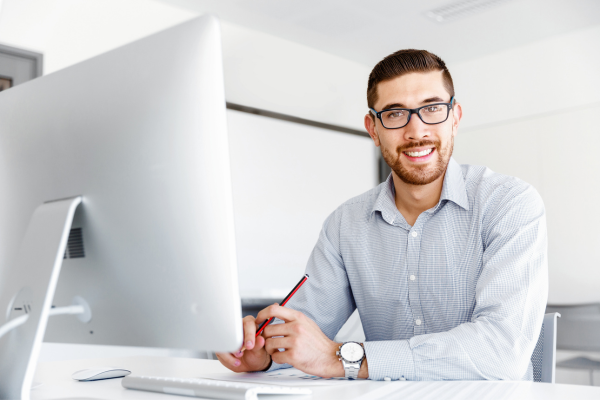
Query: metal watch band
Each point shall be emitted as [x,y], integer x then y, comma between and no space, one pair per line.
[351,369]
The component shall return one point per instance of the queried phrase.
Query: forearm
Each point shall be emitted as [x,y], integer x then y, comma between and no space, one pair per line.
[337,370]
[486,349]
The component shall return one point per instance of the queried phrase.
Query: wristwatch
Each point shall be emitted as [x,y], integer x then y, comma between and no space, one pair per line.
[351,354]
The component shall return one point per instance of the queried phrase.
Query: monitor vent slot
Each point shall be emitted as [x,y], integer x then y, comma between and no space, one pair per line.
[75,244]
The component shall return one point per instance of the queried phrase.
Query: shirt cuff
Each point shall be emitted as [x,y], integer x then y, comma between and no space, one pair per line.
[391,359]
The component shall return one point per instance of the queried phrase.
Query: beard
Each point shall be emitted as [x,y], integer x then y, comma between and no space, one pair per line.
[419,174]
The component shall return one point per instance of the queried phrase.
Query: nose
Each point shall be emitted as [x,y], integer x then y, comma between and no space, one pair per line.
[416,129]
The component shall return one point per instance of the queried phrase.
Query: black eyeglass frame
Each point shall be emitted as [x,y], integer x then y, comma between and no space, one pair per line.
[412,111]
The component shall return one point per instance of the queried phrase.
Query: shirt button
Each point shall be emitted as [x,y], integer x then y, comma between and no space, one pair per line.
[387,379]
[418,322]
[412,278]
[414,234]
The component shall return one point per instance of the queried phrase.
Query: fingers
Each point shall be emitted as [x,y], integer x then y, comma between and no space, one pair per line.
[275,310]
[282,357]
[252,356]
[278,330]
[259,343]
[239,353]
[229,360]
[273,345]
[249,332]
[262,315]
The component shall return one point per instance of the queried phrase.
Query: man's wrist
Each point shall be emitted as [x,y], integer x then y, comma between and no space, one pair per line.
[363,373]
[364,369]
[337,368]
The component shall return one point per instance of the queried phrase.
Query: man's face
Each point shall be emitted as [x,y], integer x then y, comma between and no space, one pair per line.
[417,153]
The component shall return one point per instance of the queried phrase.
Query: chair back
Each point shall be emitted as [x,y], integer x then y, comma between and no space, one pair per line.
[543,358]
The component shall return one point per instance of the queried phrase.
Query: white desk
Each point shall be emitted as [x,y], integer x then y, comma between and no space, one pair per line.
[56,383]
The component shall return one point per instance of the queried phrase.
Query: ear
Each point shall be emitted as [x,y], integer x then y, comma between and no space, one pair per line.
[370,127]
[457,112]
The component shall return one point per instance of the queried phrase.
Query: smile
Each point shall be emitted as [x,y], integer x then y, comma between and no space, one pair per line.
[418,153]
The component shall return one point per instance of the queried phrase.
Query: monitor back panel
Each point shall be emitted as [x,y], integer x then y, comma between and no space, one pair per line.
[139,132]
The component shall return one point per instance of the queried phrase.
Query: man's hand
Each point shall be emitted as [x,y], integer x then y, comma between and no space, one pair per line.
[254,358]
[306,346]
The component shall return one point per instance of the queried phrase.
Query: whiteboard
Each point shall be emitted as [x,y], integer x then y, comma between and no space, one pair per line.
[558,154]
[287,178]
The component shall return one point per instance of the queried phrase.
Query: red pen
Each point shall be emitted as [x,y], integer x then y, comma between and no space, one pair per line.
[289,296]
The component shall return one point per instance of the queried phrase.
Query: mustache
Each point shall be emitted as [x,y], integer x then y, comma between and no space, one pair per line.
[421,143]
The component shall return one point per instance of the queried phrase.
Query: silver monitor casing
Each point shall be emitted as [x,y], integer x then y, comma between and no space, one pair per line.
[140,133]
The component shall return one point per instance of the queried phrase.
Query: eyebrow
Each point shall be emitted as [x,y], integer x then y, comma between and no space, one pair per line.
[434,99]
[394,105]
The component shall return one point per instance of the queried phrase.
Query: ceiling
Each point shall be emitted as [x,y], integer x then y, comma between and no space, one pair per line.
[365,31]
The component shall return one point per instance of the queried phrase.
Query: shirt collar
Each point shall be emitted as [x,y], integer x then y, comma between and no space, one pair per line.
[453,189]
[454,185]
[386,201]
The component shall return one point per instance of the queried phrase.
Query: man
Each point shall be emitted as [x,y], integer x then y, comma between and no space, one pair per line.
[446,263]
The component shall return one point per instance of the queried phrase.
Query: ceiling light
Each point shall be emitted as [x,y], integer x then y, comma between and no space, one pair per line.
[461,9]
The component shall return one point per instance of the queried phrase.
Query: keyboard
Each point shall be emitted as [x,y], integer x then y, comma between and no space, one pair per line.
[210,388]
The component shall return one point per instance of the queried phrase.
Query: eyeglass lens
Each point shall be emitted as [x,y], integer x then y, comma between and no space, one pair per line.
[433,114]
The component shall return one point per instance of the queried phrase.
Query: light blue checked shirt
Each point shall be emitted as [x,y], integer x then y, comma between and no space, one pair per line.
[458,296]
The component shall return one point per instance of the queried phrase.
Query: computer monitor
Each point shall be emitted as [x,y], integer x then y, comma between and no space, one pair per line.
[140,134]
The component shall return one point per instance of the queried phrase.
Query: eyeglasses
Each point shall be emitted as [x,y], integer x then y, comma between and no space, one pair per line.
[431,114]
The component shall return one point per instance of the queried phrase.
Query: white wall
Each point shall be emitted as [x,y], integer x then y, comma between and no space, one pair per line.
[287,178]
[535,79]
[70,31]
[261,70]
[278,75]
[533,112]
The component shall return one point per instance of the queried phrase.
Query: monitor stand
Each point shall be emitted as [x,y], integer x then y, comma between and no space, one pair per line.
[28,288]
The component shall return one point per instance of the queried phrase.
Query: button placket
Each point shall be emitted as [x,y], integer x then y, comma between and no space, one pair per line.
[414,250]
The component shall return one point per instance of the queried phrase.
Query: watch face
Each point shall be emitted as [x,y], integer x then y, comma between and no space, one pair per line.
[352,352]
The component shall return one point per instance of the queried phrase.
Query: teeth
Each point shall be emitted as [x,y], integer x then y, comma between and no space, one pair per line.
[418,153]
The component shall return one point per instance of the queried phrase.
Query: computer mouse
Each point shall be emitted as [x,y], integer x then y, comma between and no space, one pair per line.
[97,373]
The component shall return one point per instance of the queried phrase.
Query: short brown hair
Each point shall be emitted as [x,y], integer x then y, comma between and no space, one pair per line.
[403,62]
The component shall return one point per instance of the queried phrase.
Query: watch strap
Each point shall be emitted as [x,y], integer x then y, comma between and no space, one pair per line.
[351,369]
